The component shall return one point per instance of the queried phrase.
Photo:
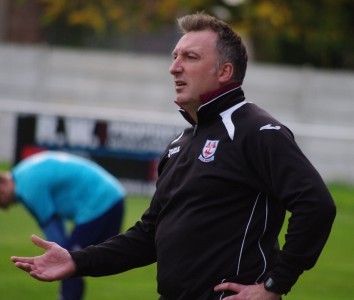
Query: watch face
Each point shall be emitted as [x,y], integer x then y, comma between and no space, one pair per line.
[271,286]
[269,283]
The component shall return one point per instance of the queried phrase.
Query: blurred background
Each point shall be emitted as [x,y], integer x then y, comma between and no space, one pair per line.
[88,76]
[91,77]
[67,67]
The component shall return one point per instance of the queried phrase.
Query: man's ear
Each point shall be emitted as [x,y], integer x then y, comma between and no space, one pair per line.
[226,72]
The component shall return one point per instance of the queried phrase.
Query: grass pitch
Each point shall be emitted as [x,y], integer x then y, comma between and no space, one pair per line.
[16,227]
[330,279]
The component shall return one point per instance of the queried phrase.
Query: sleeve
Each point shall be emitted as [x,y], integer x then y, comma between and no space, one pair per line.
[292,179]
[135,248]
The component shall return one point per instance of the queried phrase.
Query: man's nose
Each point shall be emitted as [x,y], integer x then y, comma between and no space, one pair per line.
[175,67]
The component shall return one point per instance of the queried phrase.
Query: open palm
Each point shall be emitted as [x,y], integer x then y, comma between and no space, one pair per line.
[55,264]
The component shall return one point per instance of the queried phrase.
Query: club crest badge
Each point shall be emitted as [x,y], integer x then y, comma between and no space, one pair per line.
[208,152]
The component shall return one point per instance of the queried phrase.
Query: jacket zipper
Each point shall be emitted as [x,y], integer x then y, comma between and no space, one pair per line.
[195,130]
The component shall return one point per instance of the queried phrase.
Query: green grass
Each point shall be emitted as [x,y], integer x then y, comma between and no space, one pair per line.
[16,227]
[4,165]
[332,276]
[330,279]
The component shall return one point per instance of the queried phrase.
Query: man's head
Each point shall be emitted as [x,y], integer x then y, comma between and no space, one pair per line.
[7,195]
[208,56]
[229,45]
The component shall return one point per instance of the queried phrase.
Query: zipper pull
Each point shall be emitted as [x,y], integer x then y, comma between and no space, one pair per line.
[195,129]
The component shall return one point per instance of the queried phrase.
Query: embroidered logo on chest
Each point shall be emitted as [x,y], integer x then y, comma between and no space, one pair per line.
[208,152]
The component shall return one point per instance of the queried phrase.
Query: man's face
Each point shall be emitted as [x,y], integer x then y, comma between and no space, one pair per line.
[194,68]
[6,194]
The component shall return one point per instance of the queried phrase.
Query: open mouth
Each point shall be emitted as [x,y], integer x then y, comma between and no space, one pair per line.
[180,83]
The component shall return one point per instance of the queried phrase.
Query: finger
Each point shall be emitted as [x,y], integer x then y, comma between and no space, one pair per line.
[28,260]
[235,297]
[40,242]
[38,275]
[229,286]
[24,266]
[32,271]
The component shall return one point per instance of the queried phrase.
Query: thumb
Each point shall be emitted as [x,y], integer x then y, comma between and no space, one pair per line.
[40,242]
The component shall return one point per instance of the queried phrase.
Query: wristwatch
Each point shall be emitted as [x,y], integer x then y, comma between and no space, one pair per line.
[271,285]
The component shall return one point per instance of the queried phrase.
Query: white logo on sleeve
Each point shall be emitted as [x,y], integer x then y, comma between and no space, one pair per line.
[173,151]
[269,126]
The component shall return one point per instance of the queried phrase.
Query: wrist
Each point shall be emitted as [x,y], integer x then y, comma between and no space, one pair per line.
[271,285]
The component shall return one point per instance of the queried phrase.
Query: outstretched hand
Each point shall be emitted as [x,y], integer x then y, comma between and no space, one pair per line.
[55,264]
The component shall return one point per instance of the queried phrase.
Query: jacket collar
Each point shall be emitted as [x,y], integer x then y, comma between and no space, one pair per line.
[216,102]
[205,98]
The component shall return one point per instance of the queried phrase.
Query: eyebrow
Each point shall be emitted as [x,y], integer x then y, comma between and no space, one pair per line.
[184,52]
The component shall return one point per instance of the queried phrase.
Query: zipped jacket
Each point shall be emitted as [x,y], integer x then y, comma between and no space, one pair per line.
[222,194]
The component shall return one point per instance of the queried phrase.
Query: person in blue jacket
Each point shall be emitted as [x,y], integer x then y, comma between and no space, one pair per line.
[56,187]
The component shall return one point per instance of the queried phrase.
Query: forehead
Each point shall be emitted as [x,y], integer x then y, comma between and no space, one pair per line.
[197,41]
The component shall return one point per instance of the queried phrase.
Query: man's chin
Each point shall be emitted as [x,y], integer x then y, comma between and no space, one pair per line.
[182,100]
[179,101]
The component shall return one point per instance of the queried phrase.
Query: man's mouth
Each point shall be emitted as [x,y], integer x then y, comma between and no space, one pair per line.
[179,83]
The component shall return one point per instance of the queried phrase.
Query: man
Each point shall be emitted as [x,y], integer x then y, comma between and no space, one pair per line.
[223,190]
[56,187]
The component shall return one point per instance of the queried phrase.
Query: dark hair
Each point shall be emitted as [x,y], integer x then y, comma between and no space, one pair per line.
[229,45]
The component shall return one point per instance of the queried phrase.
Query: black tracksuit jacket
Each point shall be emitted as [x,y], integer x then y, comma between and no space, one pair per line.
[223,190]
